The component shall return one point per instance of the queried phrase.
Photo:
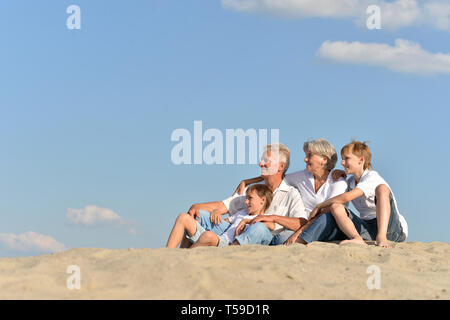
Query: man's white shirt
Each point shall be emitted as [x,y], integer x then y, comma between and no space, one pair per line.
[286,202]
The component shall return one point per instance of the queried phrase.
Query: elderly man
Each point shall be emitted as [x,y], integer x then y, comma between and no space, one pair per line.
[286,210]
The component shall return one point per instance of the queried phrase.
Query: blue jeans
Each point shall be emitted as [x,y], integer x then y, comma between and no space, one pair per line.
[206,223]
[325,228]
[257,233]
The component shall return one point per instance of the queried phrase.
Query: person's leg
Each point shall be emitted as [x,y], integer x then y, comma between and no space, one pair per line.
[256,233]
[208,238]
[324,228]
[382,194]
[281,237]
[185,243]
[394,229]
[205,222]
[184,223]
[345,224]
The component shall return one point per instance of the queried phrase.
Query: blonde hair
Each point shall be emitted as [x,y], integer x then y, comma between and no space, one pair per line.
[322,148]
[359,149]
[262,191]
[283,151]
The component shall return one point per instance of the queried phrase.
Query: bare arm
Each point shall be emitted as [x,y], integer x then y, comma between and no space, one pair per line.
[240,188]
[340,199]
[216,206]
[287,222]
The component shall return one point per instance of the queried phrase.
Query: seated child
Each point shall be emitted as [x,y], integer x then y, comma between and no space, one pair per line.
[258,200]
[379,218]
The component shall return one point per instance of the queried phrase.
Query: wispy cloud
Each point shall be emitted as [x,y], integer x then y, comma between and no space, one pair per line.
[405,56]
[93,216]
[394,14]
[30,242]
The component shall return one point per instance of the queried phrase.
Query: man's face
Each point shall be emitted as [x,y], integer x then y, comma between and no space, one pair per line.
[270,163]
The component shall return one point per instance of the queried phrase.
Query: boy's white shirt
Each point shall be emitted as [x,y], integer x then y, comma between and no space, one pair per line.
[234,222]
[286,202]
[365,204]
[304,182]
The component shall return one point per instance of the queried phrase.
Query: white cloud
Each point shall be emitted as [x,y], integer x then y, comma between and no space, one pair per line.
[93,216]
[30,242]
[405,56]
[394,14]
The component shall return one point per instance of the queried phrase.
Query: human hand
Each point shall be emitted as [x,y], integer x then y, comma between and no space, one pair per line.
[313,213]
[292,239]
[240,188]
[216,217]
[240,228]
[194,211]
[337,174]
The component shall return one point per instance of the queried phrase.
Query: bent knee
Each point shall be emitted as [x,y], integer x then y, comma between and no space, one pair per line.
[208,235]
[184,216]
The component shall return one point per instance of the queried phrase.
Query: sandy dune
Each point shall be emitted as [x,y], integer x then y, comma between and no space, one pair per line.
[410,270]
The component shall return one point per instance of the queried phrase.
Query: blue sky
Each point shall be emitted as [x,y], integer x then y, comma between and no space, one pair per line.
[87,115]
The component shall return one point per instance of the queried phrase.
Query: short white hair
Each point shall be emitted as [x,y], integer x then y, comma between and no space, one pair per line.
[324,148]
[283,151]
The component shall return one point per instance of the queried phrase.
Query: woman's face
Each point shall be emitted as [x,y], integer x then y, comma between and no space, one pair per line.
[314,162]
[254,202]
[351,163]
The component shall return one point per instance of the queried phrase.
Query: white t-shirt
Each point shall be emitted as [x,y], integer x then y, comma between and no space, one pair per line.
[304,182]
[234,222]
[365,204]
[286,202]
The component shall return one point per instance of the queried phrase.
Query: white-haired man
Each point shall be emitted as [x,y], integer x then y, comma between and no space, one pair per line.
[286,210]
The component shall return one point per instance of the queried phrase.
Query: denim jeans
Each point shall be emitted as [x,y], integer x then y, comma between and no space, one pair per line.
[257,233]
[325,228]
[206,223]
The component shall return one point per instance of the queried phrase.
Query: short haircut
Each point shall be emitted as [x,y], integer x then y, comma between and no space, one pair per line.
[283,151]
[359,149]
[262,191]
[324,148]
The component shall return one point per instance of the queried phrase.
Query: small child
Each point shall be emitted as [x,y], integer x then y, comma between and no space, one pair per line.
[258,199]
[373,198]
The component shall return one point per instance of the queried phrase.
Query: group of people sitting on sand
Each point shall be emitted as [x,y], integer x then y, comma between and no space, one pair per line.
[305,206]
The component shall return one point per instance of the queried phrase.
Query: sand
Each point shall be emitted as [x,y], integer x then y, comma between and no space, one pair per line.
[411,270]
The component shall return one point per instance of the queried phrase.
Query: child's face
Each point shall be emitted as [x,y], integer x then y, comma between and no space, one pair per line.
[352,163]
[254,203]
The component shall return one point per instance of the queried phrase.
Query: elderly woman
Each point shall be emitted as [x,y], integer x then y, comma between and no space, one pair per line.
[316,183]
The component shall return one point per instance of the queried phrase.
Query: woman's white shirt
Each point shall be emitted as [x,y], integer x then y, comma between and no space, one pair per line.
[304,182]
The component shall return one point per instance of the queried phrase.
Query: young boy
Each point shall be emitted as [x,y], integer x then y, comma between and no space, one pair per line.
[258,200]
[372,197]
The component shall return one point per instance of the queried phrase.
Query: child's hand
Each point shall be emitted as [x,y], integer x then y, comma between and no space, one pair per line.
[240,228]
[216,217]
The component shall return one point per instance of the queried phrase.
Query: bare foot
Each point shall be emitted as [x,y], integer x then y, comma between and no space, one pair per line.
[383,243]
[357,241]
